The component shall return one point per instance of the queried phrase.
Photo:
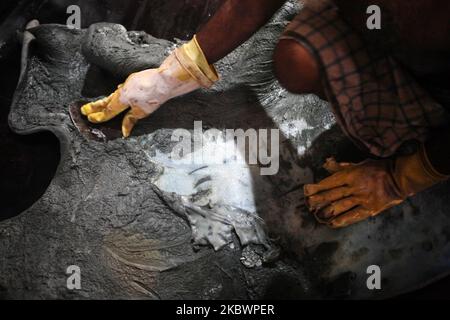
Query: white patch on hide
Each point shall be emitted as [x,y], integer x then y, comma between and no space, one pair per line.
[293,128]
[216,194]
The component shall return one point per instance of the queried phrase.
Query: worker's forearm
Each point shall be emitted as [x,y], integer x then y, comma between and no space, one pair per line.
[233,24]
[439,152]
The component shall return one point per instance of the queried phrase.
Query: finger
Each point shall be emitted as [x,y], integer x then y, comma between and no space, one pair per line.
[320,200]
[130,120]
[114,108]
[338,207]
[332,166]
[321,220]
[128,123]
[353,216]
[335,181]
[95,106]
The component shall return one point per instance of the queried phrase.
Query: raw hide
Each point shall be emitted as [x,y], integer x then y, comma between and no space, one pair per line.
[142,225]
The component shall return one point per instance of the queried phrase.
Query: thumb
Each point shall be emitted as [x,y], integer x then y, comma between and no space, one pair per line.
[130,120]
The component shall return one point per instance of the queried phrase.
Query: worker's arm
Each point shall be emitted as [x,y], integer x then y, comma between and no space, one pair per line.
[233,24]
[188,68]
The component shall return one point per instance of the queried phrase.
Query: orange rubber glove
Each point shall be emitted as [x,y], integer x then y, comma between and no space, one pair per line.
[185,70]
[356,192]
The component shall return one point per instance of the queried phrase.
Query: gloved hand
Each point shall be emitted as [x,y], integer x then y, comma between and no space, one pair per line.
[358,191]
[185,70]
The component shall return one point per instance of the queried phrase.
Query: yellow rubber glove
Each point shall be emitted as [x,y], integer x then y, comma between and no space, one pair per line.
[185,70]
[356,192]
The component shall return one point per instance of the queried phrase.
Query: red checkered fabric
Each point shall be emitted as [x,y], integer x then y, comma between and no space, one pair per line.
[377,103]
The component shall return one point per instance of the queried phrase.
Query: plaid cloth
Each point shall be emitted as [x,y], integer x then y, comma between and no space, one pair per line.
[378,104]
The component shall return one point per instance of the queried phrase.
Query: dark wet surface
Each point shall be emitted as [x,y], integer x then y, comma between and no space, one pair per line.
[27,163]
[99,132]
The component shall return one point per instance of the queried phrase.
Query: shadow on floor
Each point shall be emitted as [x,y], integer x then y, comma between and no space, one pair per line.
[27,163]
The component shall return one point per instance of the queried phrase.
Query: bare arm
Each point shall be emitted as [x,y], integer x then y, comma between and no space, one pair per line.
[233,24]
